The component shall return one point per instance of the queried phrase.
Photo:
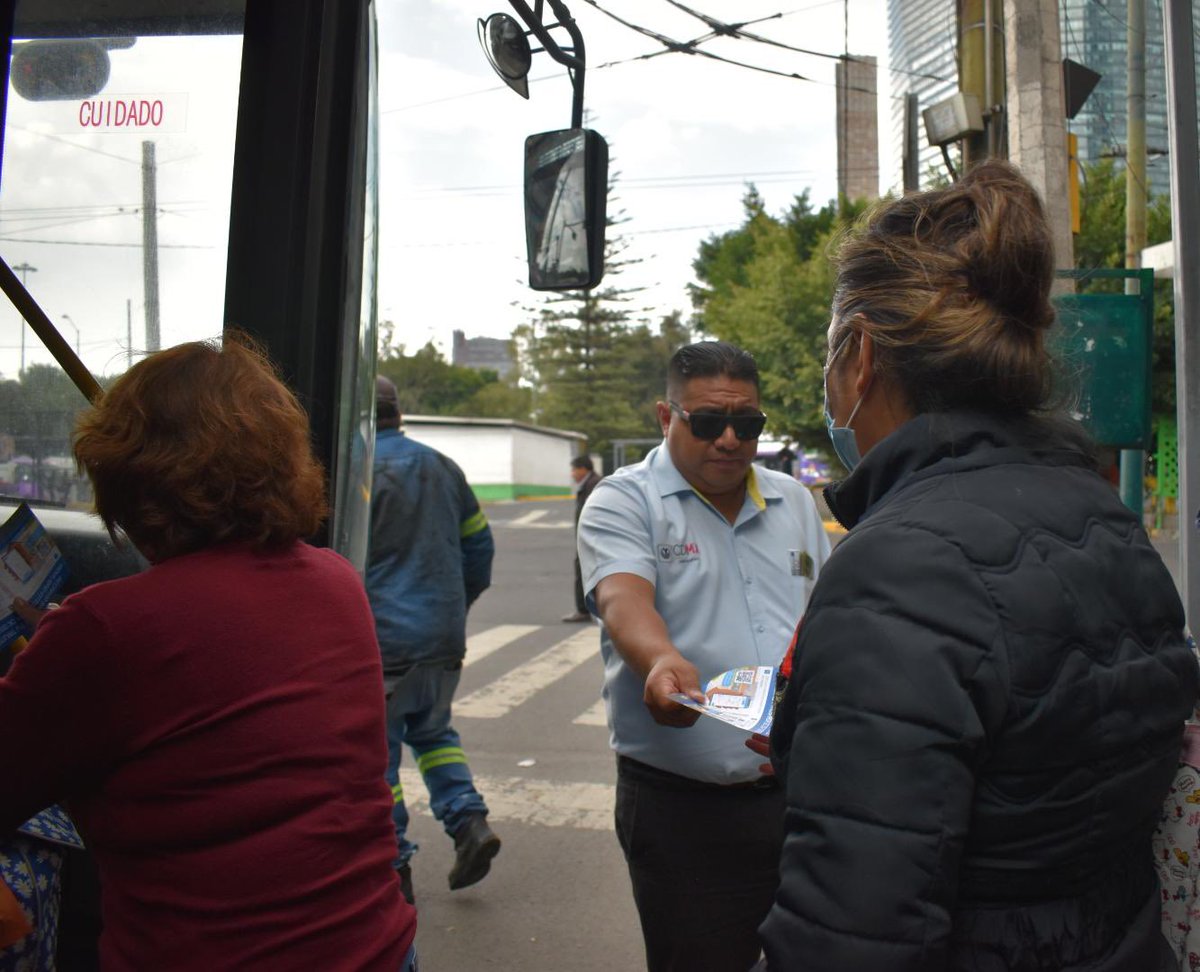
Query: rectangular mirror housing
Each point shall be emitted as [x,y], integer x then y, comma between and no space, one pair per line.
[566,194]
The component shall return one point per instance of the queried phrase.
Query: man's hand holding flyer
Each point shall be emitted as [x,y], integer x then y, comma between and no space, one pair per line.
[741,697]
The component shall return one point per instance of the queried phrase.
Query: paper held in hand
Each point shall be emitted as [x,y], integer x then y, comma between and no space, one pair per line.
[30,567]
[741,696]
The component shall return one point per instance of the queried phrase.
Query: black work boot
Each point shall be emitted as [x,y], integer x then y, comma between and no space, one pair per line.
[474,847]
[405,872]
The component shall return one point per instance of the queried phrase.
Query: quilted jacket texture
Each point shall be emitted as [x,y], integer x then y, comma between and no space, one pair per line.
[984,717]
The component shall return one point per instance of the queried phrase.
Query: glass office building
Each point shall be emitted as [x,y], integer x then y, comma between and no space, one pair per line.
[1093,32]
[923,60]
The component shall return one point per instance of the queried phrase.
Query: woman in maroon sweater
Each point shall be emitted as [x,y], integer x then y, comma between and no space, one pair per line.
[216,723]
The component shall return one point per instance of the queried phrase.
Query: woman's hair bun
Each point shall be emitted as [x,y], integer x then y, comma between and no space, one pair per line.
[1006,249]
[953,286]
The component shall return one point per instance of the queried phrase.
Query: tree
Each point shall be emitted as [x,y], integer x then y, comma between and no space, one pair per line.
[1101,244]
[588,364]
[39,413]
[766,287]
[649,350]
[426,384]
[499,399]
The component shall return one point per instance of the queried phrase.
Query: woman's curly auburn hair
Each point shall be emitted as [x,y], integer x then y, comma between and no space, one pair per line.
[198,445]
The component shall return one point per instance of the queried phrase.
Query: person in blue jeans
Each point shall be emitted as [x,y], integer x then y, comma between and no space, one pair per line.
[430,557]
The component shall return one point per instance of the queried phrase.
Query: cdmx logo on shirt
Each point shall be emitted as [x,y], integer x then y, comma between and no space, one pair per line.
[688,550]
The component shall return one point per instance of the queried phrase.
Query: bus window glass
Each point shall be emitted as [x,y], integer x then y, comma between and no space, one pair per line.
[114,208]
[356,398]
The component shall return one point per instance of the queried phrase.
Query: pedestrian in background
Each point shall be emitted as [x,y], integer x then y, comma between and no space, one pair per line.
[216,722]
[584,474]
[430,558]
[991,679]
[697,562]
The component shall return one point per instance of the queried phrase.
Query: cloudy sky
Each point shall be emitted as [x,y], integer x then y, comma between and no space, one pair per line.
[71,203]
[686,134]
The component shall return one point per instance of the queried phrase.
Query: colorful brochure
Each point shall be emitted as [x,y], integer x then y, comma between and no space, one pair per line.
[742,697]
[31,567]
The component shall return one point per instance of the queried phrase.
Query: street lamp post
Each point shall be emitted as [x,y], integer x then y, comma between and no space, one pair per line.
[75,328]
[24,269]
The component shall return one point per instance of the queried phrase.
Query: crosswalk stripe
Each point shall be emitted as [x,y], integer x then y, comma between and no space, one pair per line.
[507,692]
[526,519]
[593,716]
[545,803]
[533,521]
[480,645]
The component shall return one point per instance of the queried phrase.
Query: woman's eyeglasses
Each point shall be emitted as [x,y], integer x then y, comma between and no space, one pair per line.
[710,426]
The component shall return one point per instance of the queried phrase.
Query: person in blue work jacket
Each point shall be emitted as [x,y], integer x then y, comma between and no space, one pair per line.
[697,562]
[430,558]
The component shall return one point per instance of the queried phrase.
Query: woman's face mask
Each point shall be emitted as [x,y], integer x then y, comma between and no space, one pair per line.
[842,436]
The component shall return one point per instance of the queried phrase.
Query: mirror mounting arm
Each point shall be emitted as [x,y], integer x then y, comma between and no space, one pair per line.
[575,61]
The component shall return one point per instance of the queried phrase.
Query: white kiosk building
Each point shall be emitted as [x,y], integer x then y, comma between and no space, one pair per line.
[502,458]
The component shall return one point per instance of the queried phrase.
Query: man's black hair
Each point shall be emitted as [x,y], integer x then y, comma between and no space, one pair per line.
[583,462]
[708,359]
[387,404]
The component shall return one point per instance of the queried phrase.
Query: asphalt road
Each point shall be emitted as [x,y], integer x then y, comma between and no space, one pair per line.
[558,895]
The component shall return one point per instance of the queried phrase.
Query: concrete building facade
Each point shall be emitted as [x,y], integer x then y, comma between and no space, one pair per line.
[857,128]
[502,459]
[480,353]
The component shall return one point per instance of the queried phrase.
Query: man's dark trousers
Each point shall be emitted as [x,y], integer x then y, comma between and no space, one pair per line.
[580,603]
[704,863]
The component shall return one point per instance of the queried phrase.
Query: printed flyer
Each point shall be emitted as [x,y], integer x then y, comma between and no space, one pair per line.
[31,567]
[741,697]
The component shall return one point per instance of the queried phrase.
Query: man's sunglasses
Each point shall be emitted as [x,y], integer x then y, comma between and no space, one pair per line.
[710,426]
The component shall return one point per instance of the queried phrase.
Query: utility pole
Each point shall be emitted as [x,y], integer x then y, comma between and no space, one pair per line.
[150,243]
[912,143]
[128,333]
[981,73]
[1179,20]
[1037,135]
[1133,461]
[24,269]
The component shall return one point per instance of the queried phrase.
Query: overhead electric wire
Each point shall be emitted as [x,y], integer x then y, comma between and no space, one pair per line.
[625,183]
[66,222]
[813,6]
[95,151]
[83,148]
[1101,5]
[671,46]
[654,183]
[719,28]
[86,208]
[692,46]
[510,244]
[133,246]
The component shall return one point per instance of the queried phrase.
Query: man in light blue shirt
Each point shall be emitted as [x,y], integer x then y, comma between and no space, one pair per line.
[697,562]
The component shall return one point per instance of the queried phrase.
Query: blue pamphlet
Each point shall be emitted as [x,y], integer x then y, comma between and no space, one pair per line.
[31,567]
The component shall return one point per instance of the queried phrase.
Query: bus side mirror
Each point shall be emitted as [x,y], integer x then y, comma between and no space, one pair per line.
[59,70]
[566,195]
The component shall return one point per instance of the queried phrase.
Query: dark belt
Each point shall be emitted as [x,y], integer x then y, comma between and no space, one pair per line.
[644,773]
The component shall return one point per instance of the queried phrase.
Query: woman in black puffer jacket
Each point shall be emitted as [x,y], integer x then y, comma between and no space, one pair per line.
[991,678]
